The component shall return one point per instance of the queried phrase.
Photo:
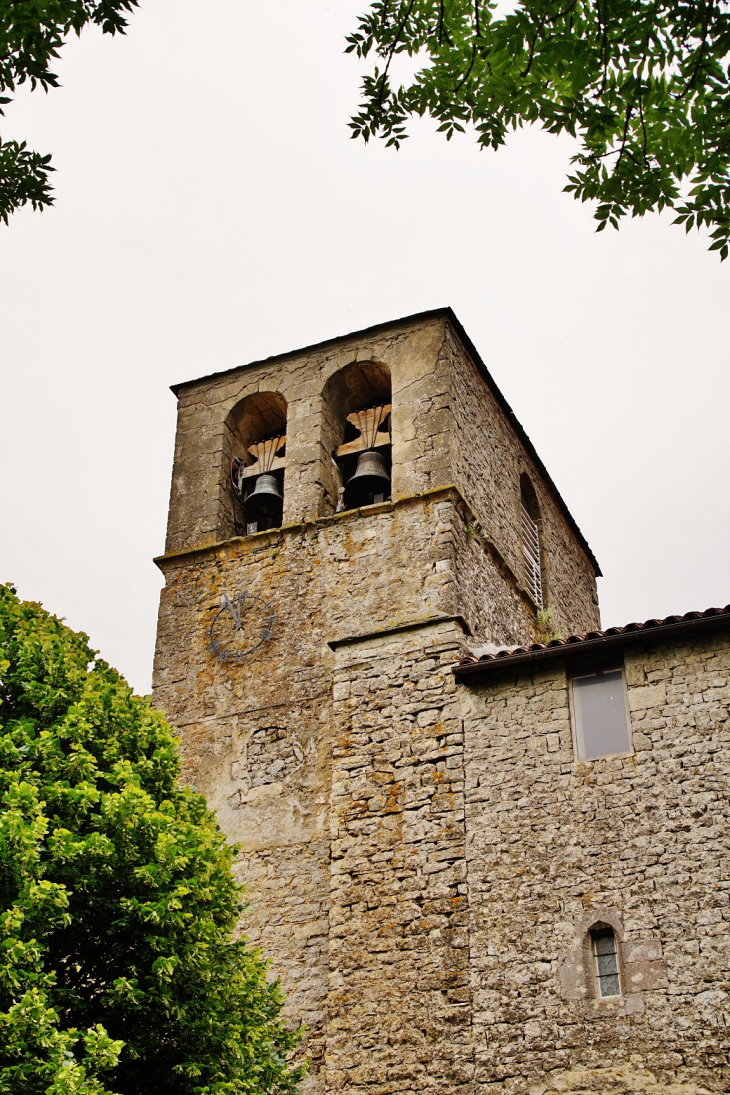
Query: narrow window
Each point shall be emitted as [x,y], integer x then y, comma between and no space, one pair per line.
[605,962]
[531,551]
[531,554]
[600,717]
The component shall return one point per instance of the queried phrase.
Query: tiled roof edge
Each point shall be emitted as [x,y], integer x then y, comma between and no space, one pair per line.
[592,641]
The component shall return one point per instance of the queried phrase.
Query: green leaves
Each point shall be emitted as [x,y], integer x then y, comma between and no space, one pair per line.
[118,971]
[643,86]
[24,177]
[31,36]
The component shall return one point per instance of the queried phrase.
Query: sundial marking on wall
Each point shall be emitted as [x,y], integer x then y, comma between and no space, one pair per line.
[240,626]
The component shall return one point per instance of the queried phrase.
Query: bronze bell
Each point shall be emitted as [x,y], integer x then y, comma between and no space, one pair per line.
[370,480]
[264,500]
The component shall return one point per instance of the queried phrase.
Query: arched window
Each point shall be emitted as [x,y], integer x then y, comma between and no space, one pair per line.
[257,461]
[357,409]
[531,541]
[604,953]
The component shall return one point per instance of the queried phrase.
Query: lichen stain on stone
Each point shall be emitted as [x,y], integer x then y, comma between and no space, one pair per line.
[623,1080]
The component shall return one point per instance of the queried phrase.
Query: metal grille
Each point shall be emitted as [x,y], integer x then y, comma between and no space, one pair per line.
[606,963]
[531,553]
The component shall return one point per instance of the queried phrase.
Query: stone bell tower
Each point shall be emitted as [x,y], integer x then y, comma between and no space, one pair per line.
[344,521]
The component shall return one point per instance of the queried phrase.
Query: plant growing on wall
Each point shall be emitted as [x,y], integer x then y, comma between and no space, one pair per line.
[644,87]
[546,633]
[119,973]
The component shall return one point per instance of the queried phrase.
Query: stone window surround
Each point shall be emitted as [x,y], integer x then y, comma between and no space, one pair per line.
[530,508]
[350,387]
[604,931]
[640,963]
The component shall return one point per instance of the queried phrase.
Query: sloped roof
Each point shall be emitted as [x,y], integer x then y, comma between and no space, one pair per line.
[593,641]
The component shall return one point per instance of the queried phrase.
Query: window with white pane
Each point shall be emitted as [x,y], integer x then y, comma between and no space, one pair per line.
[600,713]
[606,971]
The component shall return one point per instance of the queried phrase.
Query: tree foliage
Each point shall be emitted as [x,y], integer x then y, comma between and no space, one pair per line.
[118,970]
[31,35]
[643,85]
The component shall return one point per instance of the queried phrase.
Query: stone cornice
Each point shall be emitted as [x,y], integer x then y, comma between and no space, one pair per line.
[259,541]
[270,537]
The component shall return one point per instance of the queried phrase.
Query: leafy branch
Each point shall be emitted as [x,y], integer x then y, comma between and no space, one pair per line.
[31,36]
[643,87]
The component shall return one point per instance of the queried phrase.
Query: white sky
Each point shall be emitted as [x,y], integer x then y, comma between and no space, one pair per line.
[211,209]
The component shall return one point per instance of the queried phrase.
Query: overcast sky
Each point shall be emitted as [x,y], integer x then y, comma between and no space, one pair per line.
[211,210]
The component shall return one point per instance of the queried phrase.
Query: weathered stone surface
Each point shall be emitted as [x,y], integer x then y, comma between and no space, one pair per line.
[447,428]
[423,858]
[258,738]
[488,459]
[399,1007]
[625,1080]
[639,842]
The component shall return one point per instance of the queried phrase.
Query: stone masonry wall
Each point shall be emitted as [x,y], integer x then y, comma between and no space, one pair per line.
[638,841]
[399,1014]
[424,857]
[488,459]
[258,736]
[489,595]
[447,428]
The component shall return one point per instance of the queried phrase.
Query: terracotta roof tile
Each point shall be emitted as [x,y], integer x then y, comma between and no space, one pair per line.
[611,634]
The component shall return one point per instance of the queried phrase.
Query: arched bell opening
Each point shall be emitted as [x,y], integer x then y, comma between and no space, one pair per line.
[257,462]
[357,413]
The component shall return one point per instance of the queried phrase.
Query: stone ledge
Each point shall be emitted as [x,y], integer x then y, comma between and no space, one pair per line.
[275,535]
[394,628]
[258,541]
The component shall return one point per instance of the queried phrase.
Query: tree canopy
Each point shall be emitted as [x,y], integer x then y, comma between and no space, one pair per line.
[118,970]
[644,86]
[31,35]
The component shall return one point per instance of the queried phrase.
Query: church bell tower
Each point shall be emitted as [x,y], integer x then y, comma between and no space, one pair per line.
[346,521]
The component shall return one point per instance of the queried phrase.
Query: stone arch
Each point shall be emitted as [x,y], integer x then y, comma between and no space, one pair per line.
[255,442]
[357,386]
[528,497]
[606,919]
[254,418]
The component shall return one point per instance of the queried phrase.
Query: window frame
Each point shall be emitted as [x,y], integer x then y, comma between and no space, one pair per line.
[593,934]
[597,669]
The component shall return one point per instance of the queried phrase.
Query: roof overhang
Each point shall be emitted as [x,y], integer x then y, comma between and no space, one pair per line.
[595,643]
